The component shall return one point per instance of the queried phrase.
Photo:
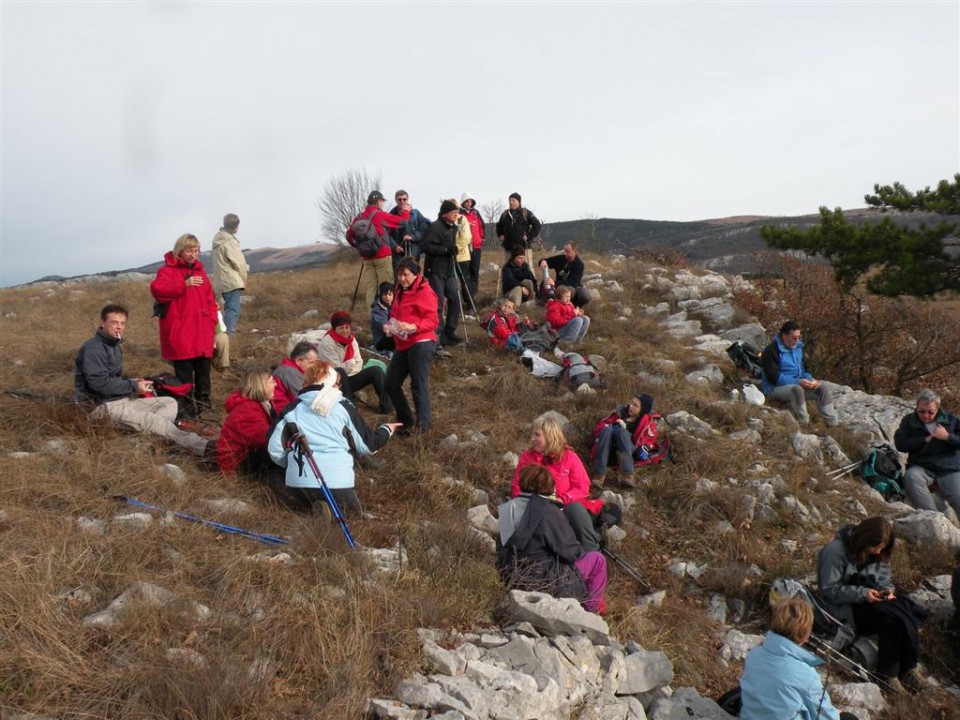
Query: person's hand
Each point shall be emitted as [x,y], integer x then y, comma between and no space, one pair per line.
[940,433]
[809,384]
[875,596]
[407,327]
[144,386]
[394,426]
[398,250]
[194,281]
[621,423]
[407,238]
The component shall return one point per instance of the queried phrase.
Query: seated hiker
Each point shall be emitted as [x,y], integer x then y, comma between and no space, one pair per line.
[242,446]
[537,550]
[779,680]
[548,447]
[569,321]
[856,586]
[618,437]
[98,379]
[517,280]
[339,347]
[289,375]
[931,436]
[786,379]
[504,326]
[379,315]
[334,431]
[569,269]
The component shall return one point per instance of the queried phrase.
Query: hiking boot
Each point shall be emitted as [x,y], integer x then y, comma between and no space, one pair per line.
[596,483]
[450,340]
[893,685]
[627,481]
[913,680]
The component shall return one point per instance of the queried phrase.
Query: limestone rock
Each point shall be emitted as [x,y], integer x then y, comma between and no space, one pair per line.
[554,616]
[925,525]
[858,695]
[691,425]
[736,645]
[480,518]
[173,473]
[686,704]
[709,375]
[644,672]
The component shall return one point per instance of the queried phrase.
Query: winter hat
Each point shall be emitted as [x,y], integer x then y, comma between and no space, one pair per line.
[340,317]
[384,288]
[516,196]
[467,196]
[448,205]
[328,395]
[375,196]
[646,402]
[408,263]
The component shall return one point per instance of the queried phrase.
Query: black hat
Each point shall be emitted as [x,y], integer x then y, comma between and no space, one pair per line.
[515,196]
[375,196]
[408,263]
[447,206]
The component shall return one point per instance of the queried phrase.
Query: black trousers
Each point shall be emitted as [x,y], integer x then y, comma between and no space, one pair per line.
[898,637]
[474,277]
[414,362]
[445,286]
[195,371]
[351,384]
[346,499]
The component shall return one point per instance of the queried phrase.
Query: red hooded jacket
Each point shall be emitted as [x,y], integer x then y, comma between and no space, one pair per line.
[417,305]
[187,328]
[381,220]
[244,431]
[559,314]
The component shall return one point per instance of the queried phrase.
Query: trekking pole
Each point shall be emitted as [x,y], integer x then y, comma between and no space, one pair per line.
[828,652]
[301,441]
[463,315]
[259,537]
[356,290]
[463,284]
[840,472]
[627,568]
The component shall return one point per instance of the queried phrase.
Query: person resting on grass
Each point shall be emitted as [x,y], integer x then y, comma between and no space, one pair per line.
[616,439]
[504,326]
[570,322]
[242,446]
[537,550]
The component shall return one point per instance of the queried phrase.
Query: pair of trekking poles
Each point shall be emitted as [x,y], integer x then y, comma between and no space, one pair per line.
[294,441]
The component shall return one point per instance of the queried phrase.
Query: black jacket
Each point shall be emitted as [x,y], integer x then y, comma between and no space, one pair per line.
[540,553]
[938,456]
[98,371]
[518,228]
[569,273]
[513,276]
[439,244]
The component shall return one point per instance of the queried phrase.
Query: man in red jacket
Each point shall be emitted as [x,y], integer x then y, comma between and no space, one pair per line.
[379,268]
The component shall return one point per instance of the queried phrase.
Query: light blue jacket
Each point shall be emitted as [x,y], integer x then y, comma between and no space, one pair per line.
[330,438]
[779,683]
[786,363]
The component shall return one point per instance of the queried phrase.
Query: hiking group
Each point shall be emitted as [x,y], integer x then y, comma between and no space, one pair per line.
[551,532]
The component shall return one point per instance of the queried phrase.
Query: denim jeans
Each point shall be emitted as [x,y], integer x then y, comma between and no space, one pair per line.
[575,329]
[614,443]
[231,309]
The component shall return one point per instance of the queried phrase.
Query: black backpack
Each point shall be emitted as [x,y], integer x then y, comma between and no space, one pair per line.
[881,471]
[366,239]
[746,357]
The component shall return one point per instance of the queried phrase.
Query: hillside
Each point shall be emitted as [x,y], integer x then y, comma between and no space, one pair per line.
[312,631]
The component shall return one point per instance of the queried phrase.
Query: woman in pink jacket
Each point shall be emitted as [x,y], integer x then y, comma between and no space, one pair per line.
[548,447]
[188,318]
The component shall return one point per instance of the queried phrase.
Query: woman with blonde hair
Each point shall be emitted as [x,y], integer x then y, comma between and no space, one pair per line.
[548,447]
[188,318]
[242,446]
[336,434]
[779,680]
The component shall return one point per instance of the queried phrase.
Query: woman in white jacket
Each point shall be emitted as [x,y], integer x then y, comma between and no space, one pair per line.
[336,434]
[340,348]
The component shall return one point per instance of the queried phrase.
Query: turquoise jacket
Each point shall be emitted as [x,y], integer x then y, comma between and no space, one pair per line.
[779,682]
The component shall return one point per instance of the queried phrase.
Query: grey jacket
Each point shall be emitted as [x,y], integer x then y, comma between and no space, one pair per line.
[842,583]
[98,371]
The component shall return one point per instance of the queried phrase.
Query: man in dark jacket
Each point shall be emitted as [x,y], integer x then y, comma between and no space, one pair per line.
[517,280]
[408,237]
[517,228]
[98,379]
[439,246]
[932,439]
[569,269]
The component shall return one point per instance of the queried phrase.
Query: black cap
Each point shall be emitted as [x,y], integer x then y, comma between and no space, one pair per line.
[448,206]
[515,196]
[375,196]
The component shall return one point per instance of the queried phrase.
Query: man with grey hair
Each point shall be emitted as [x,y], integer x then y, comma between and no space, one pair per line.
[931,437]
[229,276]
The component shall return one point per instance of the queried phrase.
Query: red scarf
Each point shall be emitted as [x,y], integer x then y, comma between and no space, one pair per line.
[347,342]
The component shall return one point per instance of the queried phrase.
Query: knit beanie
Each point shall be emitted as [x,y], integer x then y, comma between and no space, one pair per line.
[448,205]
[516,196]
[408,263]
[340,317]
[328,395]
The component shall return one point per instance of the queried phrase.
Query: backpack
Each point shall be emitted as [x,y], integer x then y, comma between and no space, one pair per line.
[746,357]
[881,470]
[539,339]
[366,238]
[169,385]
[578,371]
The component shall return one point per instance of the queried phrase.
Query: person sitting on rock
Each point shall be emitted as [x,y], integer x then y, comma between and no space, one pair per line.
[786,379]
[289,375]
[339,347]
[617,437]
[379,315]
[931,436]
[504,326]
[569,321]
[537,549]
[548,447]
[779,680]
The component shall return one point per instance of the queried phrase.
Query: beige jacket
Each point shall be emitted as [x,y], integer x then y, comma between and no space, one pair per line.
[332,352]
[229,265]
[464,239]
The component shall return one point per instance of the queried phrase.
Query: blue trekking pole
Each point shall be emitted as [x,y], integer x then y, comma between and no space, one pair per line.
[259,537]
[297,439]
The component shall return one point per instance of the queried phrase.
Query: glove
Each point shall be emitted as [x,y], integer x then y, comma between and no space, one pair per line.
[290,435]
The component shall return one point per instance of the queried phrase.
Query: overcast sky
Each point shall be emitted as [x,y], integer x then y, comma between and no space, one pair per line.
[127,124]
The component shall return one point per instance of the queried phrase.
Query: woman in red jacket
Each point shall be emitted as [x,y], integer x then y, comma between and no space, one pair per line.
[548,447]
[413,324]
[242,446]
[188,318]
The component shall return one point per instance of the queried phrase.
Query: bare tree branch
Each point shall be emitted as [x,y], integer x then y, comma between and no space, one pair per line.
[343,198]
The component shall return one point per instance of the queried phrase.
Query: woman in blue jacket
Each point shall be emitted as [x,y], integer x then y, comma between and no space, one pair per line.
[779,680]
[335,433]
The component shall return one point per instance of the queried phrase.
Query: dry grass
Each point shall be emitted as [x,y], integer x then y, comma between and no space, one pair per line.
[317,637]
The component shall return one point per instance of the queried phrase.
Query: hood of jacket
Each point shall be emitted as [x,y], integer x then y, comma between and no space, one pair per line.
[235,399]
[223,237]
[171,260]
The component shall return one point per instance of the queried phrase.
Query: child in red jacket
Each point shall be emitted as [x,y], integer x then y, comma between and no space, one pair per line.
[504,326]
[568,320]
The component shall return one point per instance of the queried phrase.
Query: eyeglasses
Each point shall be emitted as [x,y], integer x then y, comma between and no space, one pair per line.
[401,199]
